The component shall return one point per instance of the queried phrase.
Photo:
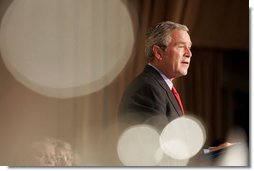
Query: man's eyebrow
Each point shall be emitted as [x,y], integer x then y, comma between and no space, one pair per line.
[180,42]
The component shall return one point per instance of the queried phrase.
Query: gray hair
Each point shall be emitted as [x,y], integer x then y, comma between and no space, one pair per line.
[160,35]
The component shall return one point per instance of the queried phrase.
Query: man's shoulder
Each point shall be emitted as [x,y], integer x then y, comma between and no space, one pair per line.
[149,75]
[144,78]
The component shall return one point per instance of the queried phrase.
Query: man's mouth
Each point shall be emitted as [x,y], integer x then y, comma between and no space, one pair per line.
[187,63]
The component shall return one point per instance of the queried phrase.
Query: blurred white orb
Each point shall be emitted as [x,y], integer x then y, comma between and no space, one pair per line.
[236,155]
[182,138]
[164,160]
[138,146]
[66,48]
[237,152]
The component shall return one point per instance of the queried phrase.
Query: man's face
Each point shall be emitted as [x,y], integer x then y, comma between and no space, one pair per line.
[63,157]
[177,55]
[44,154]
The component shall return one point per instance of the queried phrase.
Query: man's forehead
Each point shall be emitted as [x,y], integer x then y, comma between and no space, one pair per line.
[180,36]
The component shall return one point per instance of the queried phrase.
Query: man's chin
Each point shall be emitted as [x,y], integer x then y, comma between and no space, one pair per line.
[184,73]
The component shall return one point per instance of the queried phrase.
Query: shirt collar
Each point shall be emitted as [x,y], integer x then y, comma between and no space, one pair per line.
[166,79]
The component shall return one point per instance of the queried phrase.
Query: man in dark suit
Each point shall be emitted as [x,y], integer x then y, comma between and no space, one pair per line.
[150,97]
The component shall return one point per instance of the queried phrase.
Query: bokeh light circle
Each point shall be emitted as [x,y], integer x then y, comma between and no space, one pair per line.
[182,138]
[66,48]
[138,146]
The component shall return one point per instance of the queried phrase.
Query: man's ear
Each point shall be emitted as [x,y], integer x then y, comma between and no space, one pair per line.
[157,52]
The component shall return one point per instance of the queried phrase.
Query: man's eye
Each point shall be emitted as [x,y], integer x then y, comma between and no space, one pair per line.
[181,46]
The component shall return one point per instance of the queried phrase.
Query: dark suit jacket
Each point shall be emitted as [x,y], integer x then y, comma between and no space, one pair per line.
[149,100]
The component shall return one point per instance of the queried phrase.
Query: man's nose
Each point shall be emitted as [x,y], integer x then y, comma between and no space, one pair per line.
[188,52]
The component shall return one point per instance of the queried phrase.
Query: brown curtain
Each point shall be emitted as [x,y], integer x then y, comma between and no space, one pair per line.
[201,91]
[89,122]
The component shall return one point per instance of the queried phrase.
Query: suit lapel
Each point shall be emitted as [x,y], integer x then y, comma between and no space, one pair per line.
[156,75]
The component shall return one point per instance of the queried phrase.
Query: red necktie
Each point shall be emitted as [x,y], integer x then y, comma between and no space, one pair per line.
[178,98]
